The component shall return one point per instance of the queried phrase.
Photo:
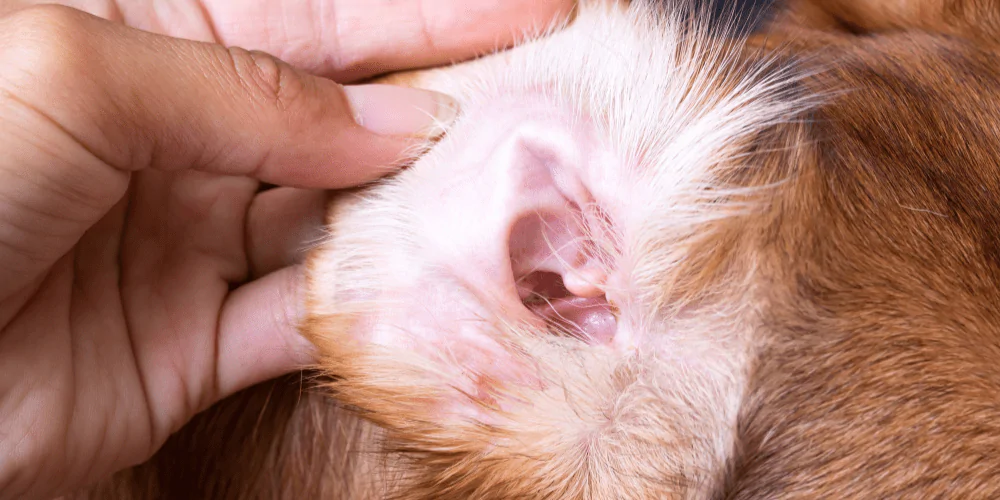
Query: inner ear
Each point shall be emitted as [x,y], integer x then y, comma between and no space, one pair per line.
[559,276]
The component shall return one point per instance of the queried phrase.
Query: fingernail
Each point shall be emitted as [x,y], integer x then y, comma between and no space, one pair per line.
[392,110]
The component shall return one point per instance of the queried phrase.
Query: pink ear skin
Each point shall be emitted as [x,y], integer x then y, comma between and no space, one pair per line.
[505,250]
[541,168]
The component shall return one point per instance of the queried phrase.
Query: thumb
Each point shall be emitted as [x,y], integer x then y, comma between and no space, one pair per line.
[138,100]
[84,102]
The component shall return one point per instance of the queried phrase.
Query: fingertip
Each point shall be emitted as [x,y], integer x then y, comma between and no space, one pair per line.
[401,111]
[342,136]
[259,335]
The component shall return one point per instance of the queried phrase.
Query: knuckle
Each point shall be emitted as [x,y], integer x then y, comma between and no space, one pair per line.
[40,17]
[265,77]
[45,45]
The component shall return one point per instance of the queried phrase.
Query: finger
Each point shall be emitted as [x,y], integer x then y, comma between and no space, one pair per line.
[282,224]
[342,39]
[258,334]
[179,19]
[84,101]
[347,39]
[136,100]
[106,9]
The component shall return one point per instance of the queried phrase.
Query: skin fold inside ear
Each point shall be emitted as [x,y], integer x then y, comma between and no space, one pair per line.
[521,235]
[507,254]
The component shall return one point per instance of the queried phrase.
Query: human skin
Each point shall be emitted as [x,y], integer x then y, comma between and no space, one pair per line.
[144,274]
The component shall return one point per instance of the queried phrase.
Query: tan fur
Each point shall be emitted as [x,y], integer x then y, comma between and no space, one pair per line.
[854,302]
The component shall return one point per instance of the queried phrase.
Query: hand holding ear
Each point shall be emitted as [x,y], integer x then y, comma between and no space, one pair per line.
[143,273]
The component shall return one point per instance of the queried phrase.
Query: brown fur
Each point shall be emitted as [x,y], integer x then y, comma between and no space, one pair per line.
[880,373]
[877,369]
[278,440]
[969,19]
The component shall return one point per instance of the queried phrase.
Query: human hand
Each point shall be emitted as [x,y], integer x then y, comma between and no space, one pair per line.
[143,273]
